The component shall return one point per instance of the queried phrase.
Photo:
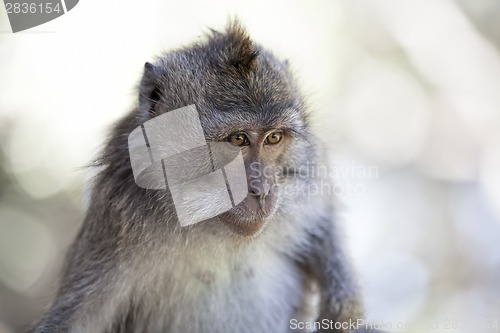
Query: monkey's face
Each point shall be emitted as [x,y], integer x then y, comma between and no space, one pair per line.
[262,152]
[243,95]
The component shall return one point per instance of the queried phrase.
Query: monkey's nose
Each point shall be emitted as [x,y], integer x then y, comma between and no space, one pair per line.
[258,192]
[261,191]
[261,198]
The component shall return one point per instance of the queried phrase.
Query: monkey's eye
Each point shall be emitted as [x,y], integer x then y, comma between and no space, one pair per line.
[239,139]
[274,137]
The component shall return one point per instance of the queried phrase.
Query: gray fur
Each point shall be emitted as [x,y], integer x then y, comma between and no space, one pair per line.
[133,269]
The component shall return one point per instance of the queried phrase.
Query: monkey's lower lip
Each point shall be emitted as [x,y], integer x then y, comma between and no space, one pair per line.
[248,217]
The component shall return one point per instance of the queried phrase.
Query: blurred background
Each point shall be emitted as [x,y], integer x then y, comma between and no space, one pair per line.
[409,90]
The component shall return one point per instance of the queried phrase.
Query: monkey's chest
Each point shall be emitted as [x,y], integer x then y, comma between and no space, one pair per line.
[254,293]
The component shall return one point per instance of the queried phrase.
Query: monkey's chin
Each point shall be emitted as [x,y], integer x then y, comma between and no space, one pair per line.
[242,227]
[244,222]
[249,217]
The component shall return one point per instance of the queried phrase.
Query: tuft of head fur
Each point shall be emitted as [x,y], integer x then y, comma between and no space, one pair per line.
[235,48]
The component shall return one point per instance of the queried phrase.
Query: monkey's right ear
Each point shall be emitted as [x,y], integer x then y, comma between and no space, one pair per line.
[149,91]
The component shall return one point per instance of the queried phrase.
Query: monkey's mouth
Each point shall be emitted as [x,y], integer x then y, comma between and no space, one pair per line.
[249,216]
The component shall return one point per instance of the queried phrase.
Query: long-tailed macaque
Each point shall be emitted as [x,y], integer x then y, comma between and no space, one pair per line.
[258,267]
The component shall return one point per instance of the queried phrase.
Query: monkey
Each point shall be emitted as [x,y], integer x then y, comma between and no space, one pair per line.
[273,260]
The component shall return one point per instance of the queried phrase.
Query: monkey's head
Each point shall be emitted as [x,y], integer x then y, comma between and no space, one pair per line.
[244,95]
